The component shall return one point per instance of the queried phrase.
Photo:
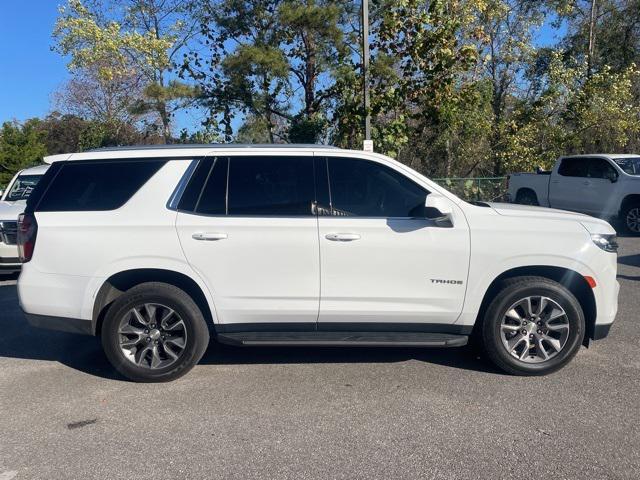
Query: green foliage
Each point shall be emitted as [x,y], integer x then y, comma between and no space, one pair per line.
[270,60]
[306,129]
[21,146]
[458,87]
[120,39]
[105,45]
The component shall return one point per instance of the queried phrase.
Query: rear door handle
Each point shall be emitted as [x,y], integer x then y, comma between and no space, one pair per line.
[210,237]
[342,237]
[586,182]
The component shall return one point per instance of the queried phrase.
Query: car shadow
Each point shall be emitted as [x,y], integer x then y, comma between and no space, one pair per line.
[628,277]
[630,260]
[84,353]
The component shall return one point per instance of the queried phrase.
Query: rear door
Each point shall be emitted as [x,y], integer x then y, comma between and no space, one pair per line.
[252,235]
[382,261]
[567,184]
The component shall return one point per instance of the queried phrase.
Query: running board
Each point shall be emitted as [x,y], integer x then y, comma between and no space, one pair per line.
[343,339]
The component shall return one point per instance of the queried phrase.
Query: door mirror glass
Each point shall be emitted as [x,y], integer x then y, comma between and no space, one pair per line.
[439,209]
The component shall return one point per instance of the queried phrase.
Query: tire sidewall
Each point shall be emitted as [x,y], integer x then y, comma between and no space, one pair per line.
[197,333]
[527,198]
[498,308]
[623,219]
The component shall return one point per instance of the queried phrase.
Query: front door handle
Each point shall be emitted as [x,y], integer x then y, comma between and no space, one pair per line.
[210,237]
[342,237]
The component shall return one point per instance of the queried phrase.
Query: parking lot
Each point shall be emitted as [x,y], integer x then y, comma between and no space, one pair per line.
[319,413]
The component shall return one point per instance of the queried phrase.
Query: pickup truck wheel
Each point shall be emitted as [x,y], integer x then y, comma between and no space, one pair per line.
[631,219]
[154,332]
[533,326]
[527,197]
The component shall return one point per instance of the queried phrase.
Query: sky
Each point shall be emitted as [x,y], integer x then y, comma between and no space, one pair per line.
[30,72]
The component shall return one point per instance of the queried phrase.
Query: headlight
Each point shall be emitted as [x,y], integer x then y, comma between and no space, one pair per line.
[607,242]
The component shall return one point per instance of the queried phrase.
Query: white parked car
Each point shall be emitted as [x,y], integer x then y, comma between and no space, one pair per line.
[602,185]
[153,249]
[12,203]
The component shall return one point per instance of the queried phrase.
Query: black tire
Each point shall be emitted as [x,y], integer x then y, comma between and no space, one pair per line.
[197,333]
[527,197]
[629,218]
[510,292]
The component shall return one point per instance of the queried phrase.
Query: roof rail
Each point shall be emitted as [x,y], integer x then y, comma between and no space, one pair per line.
[213,145]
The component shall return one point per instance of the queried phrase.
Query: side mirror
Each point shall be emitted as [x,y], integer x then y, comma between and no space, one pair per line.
[439,209]
[612,176]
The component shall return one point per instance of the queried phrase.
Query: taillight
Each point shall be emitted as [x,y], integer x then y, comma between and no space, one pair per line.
[508,181]
[27,232]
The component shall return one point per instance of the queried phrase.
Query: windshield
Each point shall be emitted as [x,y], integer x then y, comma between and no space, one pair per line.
[22,187]
[630,165]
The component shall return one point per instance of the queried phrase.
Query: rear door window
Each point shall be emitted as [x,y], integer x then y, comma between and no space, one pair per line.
[271,186]
[573,167]
[96,185]
[213,198]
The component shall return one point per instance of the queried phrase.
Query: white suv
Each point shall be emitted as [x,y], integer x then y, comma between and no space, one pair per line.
[155,249]
[12,204]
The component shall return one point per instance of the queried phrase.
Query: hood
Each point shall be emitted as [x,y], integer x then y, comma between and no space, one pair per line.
[11,210]
[592,224]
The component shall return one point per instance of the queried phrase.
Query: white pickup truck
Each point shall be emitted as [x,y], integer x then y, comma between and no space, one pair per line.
[602,185]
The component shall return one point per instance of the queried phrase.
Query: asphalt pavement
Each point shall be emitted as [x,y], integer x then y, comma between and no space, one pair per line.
[318,412]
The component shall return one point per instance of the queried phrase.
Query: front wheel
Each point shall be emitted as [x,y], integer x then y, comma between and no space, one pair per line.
[630,219]
[154,332]
[533,326]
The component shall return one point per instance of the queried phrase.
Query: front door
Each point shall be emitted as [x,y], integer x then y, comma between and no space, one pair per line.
[382,262]
[599,195]
[252,235]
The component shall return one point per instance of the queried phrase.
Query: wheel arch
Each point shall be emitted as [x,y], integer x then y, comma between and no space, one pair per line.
[631,199]
[570,279]
[522,190]
[118,283]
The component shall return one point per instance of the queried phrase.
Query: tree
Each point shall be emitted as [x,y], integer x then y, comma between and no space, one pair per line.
[21,146]
[574,113]
[91,96]
[123,39]
[505,50]
[66,133]
[260,54]
[422,53]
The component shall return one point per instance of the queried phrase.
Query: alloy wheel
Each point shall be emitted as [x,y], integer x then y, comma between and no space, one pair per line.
[534,329]
[633,220]
[152,336]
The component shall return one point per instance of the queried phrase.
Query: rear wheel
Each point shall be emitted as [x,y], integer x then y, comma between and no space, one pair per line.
[527,197]
[154,333]
[533,326]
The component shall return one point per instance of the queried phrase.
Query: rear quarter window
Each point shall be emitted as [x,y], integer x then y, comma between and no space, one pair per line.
[96,185]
